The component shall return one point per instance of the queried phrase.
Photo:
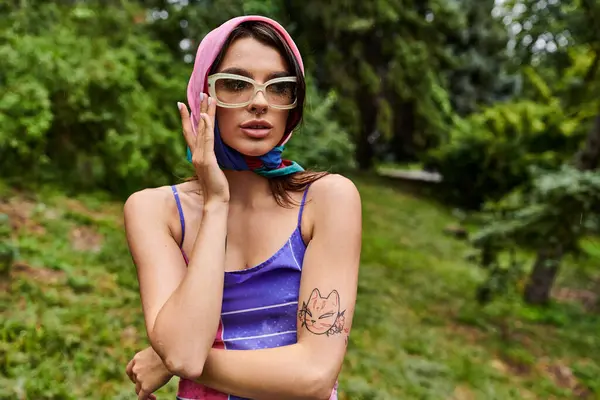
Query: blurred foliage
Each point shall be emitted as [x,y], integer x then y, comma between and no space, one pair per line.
[491,152]
[551,211]
[7,248]
[554,211]
[556,208]
[546,30]
[321,142]
[480,73]
[388,55]
[87,99]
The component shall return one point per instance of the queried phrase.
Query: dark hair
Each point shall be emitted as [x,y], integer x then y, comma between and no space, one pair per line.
[267,35]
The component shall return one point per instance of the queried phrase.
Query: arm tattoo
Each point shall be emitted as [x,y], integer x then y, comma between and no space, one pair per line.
[321,315]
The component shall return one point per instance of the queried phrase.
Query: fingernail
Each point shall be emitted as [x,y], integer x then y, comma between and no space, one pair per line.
[210,100]
[179,105]
[201,96]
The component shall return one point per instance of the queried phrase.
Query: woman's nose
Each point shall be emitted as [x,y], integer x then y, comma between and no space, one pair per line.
[259,104]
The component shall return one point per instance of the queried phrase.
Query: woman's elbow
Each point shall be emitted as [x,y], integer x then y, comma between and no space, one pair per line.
[178,359]
[191,370]
[322,385]
[325,391]
[184,363]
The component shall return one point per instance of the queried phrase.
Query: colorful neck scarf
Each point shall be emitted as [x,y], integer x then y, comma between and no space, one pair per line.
[270,164]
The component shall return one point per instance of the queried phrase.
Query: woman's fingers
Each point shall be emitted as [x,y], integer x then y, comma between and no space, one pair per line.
[208,118]
[129,371]
[206,125]
[186,125]
[203,102]
[209,137]
[204,107]
[201,128]
[212,109]
[202,144]
[146,396]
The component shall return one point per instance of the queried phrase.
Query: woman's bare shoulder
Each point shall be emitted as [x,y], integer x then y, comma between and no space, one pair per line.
[333,189]
[148,200]
[158,202]
[331,199]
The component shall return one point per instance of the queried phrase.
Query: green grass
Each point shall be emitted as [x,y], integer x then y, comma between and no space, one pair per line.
[71,317]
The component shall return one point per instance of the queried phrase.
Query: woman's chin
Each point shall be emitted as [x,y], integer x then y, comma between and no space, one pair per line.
[253,148]
[253,151]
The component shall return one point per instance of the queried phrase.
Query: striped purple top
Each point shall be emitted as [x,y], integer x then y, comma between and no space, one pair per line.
[259,307]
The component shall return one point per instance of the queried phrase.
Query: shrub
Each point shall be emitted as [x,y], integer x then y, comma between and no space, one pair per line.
[492,152]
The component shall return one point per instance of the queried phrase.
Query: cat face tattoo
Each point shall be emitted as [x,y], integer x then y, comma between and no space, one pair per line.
[321,315]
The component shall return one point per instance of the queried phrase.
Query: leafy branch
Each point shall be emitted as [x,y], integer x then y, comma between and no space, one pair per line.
[556,209]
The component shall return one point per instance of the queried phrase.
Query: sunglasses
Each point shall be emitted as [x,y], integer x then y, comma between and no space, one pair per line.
[233,91]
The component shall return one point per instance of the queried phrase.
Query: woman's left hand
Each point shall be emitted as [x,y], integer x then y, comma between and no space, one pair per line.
[148,372]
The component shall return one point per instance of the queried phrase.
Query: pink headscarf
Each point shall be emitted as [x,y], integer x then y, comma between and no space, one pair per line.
[207,52]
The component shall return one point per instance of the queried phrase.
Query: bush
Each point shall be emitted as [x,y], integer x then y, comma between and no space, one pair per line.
[492,152]
[556,210]
[88,100]
[320,142]
[7,248]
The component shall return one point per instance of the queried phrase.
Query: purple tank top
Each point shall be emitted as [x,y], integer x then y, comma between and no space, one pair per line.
[259,307]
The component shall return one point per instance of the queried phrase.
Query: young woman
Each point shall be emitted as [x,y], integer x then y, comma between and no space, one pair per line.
[248,272]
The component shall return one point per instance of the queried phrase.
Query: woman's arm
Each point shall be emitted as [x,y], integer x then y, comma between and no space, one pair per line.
[181,306]
[309,368]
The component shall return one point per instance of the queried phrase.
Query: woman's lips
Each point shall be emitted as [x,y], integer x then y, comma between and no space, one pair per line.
[256,128]
[256,133]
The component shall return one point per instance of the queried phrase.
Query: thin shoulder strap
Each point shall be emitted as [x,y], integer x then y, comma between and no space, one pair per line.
[180,209]
[302,205]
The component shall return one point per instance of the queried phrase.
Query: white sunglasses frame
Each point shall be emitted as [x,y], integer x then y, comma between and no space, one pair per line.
[258,87]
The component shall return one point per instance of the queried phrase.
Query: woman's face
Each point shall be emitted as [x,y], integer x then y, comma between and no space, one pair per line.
[249,57]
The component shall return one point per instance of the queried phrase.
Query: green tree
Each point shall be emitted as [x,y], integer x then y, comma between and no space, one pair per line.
[507,153]
[383,59]
[562,28]
[480,72]
[85,98]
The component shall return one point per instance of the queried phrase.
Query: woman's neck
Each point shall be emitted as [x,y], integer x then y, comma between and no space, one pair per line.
[247,188]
